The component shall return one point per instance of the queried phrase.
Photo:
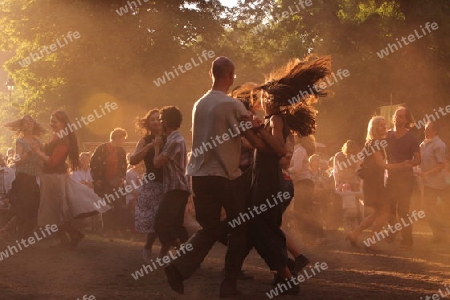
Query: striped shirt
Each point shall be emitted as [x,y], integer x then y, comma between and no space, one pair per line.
[175,168]
[33,165]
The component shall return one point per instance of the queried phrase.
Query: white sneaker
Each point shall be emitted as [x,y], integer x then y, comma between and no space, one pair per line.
[147,255]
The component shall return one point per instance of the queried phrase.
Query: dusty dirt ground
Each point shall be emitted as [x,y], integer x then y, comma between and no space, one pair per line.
[103,269]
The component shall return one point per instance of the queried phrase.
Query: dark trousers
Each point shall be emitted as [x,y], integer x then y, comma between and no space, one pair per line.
[437,225]
[170,217]
[400,190]
[115,218]
[25,198]
[211,193]
[308,218]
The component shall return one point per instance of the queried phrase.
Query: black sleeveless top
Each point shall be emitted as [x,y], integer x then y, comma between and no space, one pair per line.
[148,160]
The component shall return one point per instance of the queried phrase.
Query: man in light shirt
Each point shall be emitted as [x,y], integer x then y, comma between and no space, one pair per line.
[432,152]
[217,124]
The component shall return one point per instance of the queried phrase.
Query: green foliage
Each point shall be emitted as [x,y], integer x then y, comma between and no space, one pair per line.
[117,58]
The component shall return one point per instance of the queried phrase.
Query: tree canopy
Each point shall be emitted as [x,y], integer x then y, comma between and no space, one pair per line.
[125,46]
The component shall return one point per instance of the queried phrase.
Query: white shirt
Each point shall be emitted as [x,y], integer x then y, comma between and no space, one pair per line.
[7,177]
[299,169]
[80,175]
[216,115]
[130,177]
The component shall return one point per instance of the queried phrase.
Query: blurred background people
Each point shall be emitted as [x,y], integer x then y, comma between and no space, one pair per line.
[63,199]
[83,173]
[151,193]
[375,194]
[432,152]
[308,218]
[8,220]
[134,173]
[25,193]
[108,169]
[345,165]
[401,146]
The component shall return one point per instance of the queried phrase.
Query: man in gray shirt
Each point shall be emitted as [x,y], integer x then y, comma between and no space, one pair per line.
[432,152]
[217,123]
[402,147]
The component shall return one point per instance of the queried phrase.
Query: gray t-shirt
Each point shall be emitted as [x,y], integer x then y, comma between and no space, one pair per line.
[216,129]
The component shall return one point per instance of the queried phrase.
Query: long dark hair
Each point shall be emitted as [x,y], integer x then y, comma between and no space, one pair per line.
[61,116]
[17,126]
[141,123]
[246,94]
[292,86]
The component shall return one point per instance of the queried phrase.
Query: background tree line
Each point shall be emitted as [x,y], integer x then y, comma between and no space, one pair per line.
[117,58]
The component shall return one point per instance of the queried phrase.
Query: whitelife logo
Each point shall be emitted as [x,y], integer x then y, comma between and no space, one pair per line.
[280,17]
[243,126]
[438,296]
[361,155]
[124,190]
[319,86]
[282,287]
[188,66]
[86,297]
[162,261]
[53,47]
[429,118]
[31,240]
[124,9]
[262,208]
[380,235]
[391,48]
[90,118]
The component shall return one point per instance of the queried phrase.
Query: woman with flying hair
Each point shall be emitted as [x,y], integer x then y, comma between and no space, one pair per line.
[151,193]
[373,185]
[247,95]
[63,199]
[24,194]
[281,118]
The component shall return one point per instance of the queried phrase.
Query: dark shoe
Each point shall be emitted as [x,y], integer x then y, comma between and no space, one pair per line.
[277,279]
[77,239]
[293,290]
[228,289]
[301,261]
[241,276]
[291,264]
[174,279]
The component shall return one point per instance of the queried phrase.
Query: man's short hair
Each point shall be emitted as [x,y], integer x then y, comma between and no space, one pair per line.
[436,126]
[117,133]
[172,116]
[221,66]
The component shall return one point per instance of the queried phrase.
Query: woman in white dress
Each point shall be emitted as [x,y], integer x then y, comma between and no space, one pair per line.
[63,199]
